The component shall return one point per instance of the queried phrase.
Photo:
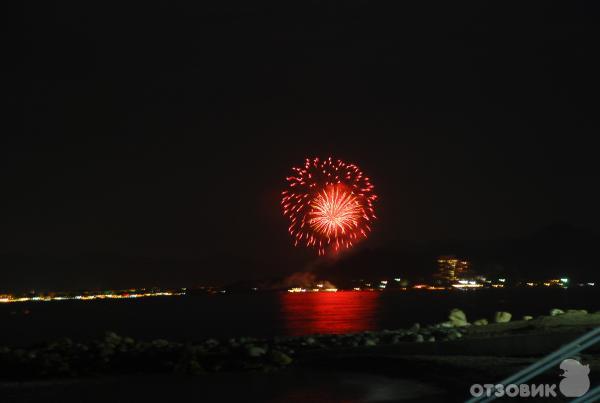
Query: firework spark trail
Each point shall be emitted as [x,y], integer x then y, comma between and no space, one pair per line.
[334,211]
[329,204]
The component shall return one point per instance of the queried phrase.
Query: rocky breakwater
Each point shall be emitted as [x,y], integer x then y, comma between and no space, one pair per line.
[115,354]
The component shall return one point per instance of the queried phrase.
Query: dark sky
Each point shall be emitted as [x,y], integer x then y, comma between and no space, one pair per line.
[166,133]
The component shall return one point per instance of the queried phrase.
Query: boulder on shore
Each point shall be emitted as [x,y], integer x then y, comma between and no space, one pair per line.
[556,312]
[502,317]
[480,322]
[577,311]
[369,342]
[280,358]
[458,318]
[255,351]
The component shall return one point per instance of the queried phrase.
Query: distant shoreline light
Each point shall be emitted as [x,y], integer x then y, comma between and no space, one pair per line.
[318,289]
[89,297]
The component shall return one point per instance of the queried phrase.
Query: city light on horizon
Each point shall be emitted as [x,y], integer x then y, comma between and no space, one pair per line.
[91,296]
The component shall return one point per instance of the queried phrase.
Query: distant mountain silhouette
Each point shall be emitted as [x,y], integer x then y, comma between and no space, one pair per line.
[557,250]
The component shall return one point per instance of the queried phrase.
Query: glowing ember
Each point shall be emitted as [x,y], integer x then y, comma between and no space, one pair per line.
[329,204]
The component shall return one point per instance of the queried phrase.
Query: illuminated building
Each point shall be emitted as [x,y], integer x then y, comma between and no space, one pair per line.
[450,268]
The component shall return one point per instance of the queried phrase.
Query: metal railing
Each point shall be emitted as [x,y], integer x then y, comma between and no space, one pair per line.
[549,361]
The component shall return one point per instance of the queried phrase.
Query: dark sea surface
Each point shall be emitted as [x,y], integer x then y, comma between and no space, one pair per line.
[268,314]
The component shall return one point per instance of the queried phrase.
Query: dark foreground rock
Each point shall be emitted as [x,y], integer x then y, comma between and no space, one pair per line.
[114,354]
[436,363]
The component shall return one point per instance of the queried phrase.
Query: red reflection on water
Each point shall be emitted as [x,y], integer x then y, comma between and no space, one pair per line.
[329,312]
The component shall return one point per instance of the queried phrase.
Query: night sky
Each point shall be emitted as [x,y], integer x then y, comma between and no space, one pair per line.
[154,142]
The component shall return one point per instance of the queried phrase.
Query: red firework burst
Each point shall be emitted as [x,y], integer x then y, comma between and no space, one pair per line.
[329,204]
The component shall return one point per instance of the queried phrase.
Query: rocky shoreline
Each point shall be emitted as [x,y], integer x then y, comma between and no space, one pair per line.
[114,354]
